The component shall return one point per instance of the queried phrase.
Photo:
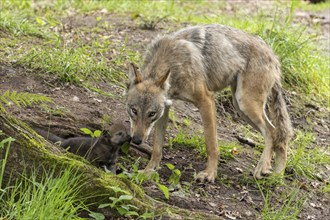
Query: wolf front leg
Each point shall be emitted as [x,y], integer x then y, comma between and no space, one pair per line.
[158,139]
[207,110]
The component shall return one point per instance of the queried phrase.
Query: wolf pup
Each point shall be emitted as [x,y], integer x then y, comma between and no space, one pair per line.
[191,65]
[101,151]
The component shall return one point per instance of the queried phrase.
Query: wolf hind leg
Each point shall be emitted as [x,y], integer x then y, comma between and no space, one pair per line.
[250,103]
[241,114]
[284,131]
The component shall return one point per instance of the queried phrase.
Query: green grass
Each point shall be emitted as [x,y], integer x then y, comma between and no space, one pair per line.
[71,59]
[77,65]
[305,160]
[289,208]
[228,150]
[281,200]
[5,145]
[304,67]
[41,194]
[327,188]
[178,11]
[305,5]
[194,141]
[70,64]
[27,20]
[52,197]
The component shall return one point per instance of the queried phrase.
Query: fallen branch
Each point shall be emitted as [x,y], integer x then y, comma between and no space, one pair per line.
[247,141]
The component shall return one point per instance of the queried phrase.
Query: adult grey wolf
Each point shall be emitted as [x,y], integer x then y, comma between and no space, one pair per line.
[191,65]
[101,151]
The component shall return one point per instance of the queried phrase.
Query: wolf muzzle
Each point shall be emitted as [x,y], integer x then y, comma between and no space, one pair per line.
[136,140]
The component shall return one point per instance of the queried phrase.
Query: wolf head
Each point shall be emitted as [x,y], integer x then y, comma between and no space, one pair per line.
[146,101]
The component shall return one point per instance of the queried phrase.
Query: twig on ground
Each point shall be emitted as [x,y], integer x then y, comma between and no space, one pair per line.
[246,141]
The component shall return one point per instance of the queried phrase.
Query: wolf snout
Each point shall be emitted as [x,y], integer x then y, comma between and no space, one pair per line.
[136,140]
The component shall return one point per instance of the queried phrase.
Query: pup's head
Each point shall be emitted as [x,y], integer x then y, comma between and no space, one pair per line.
[116,137]
[146,101]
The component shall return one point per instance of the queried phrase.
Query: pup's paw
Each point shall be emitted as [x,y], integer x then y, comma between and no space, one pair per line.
[206,175]
[262,169]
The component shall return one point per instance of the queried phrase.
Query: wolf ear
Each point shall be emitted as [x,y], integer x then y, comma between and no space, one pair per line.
[134,75]
[162,81]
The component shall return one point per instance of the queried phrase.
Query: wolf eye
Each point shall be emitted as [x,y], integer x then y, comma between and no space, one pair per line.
[134,111]
[152,114]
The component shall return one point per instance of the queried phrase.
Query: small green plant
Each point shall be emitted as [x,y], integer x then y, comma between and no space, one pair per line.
[164,189]
[121,203]
[95,134]
[174,179]
[139,177]
[23,98]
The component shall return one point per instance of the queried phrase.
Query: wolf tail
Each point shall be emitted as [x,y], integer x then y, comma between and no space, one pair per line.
[283,131]
[48,136]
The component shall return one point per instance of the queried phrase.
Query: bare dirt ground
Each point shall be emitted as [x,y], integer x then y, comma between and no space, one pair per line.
[234,195]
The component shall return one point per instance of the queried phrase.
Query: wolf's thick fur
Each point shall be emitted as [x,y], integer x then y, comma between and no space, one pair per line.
[191,65]
[101,151]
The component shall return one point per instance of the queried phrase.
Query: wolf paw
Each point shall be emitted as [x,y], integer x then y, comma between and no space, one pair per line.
[262,169]
[147,172]
[209,176]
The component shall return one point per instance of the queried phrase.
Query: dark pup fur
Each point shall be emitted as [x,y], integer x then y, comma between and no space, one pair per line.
[101,152]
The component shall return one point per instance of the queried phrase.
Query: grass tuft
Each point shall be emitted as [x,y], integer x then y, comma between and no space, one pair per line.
[304,160]
[227,150]
[72,65]
[292,204]
[51,197]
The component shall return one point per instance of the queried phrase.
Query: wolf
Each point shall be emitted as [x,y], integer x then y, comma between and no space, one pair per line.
[191,65]
[101,151]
